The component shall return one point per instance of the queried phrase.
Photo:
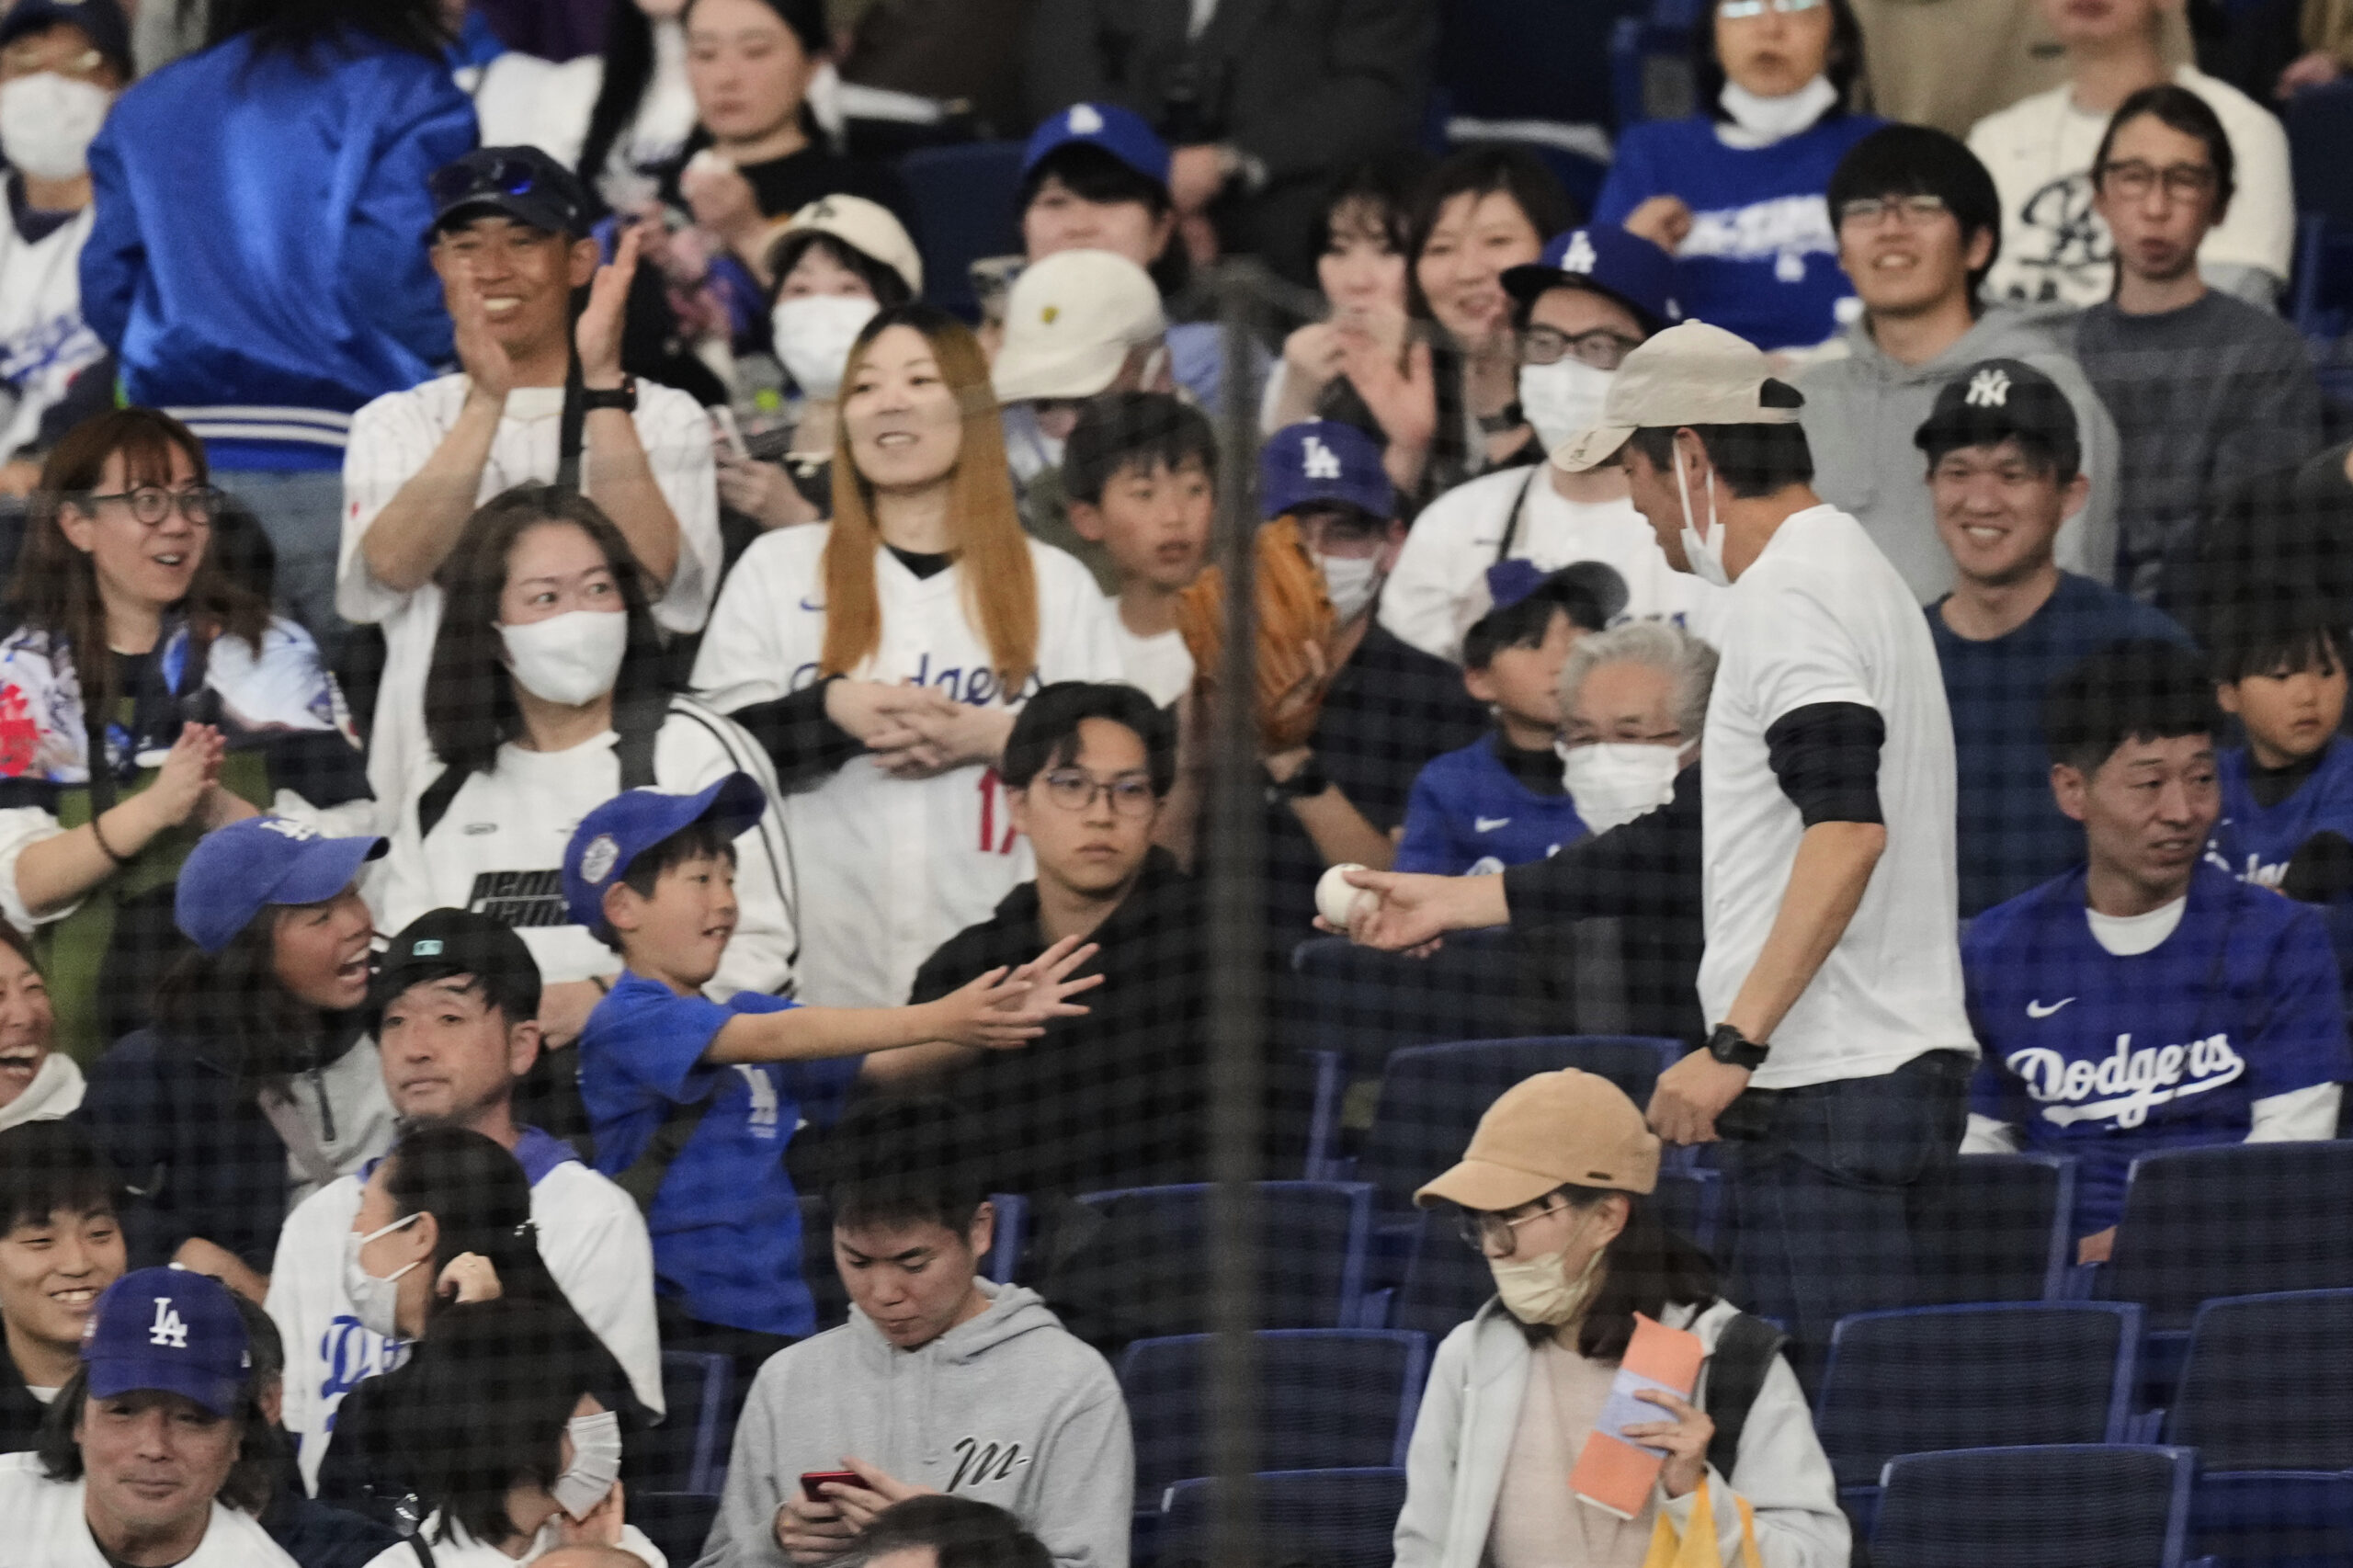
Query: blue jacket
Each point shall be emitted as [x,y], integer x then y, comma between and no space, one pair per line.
[258,256]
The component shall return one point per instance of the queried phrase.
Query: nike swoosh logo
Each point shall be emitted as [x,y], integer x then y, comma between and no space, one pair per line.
[1489,825]
[2037,1010]
[814,610]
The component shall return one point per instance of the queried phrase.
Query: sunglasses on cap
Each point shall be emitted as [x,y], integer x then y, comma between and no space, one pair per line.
[476,178]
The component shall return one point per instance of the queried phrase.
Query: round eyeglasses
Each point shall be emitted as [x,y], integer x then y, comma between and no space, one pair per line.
[151,504]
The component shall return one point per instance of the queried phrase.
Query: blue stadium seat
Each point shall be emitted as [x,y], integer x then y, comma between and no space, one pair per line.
[2000,1230]
[1329,1399]
[2320,128]
[688,1451]
[2071,1505]
[963,197]
[1012,1237]
[2268,1384]
[677,1522]
[1333,1518]
[1364,1003]
[2273,1518]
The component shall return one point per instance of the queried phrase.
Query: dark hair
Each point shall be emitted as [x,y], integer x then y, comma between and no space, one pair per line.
[470,709]
[962,1532]
[481,1203]
[1383,184]
[252,1477]
[49,1165]
[628,71]
[1141,430]
[232,1006]
[888,287]
[2284,631]
[1483,168]
[2177,109]
[806,19]
[1645,1268]
[2141,689]
[56,587]
[1916,160]
[1045,733]
[1525,622]
[1841,64]
[2057,454]
[906,1160]
[696,841]
[1752,460]
[311,28]
[1095,174]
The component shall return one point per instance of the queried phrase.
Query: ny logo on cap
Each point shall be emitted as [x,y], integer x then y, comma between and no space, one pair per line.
[168,1327]
[1989,389]
[1318,460]
[1580,257]
[299,832]
[1085,119]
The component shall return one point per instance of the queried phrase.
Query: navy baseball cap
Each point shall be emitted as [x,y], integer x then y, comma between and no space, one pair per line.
[442,943]
[1322,462]
[1996,400]
[101,21]
[1608,260]
[236,872]
[634,820]
[521,183]
[171,1330]
[1119,131]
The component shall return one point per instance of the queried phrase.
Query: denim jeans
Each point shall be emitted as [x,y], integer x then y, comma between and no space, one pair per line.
[302,511]
[1823,1205]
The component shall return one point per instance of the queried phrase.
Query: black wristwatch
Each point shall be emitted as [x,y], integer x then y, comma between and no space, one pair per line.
[1308,780]
[623,397]
[1733,1048]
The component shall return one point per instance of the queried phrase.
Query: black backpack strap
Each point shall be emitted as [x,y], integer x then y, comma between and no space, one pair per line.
[646,1173]
[424,1553]
[434,804]
[636,726]
[1518,506]
[1736,1371]
[571,431]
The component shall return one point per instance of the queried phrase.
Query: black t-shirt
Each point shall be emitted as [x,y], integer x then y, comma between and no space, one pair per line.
[784,186]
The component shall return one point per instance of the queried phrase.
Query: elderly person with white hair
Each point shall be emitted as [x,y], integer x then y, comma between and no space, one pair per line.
[1633,699]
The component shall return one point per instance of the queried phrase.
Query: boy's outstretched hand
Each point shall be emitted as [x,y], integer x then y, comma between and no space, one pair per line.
[1004,1010]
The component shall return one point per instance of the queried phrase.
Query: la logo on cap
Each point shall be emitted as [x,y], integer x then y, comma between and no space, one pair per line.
[1989,389]
[1318,460]
[1085,119]
[596,860]
[1580,257]
[297,831]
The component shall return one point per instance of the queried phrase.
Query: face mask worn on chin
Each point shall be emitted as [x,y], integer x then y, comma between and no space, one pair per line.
[1562,399]
[1761,122]
[571,658]
[374,1302]
[1538,1289]
[1612,782]
[1706,556]
[1349,582]
[596,1463]
[48,121]
[813,334]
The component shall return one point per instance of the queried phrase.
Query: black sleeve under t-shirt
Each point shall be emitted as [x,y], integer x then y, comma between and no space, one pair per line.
[1827,756]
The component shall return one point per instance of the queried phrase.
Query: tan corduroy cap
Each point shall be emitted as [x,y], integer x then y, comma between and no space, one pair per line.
[1554,1130]
[1691,374]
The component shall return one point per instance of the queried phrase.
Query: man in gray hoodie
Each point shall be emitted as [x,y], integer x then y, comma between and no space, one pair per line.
[1919,224]
[940,1382]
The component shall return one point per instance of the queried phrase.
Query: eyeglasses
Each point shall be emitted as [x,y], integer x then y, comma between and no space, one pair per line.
[151,504]
[1073,790]
[2133,180]
[1739,10]
[1483,1231]
[1601,349]
[1920,208]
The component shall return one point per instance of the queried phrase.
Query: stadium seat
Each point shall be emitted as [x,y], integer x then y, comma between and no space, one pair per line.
[2070,1505]
[2273,1518]
[2269,1385]
[688,1452]
[1329,1399]
[677,1522]
[963,197]
[2320,128]
[1333,1518]
[1364,1003]
[1012,1241]
[2000,1232]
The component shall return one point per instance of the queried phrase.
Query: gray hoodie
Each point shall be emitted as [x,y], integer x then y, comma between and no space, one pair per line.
[1862,407]
[1009,1408]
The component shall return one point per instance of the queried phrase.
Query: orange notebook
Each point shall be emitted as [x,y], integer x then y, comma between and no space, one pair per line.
[1616,1475]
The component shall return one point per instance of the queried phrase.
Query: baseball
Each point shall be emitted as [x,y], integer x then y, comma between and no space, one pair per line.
[1337,900]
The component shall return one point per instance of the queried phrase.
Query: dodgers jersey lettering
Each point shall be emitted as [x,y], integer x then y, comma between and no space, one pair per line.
[2254,842]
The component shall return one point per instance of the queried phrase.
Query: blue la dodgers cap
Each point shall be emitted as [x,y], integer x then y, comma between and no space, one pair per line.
[236,872]
[171,1330]
[634,820]
[1119,131]
[1322,462]
[1608,260]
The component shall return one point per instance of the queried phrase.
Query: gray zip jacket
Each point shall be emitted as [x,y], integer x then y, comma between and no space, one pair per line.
[1862,408]
[1009,1408]
[1469,1414]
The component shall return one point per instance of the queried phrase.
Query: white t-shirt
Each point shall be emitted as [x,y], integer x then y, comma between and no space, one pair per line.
[591,1236]
[462,1550]
[499,849]
[2040,152]
[898,866]
[1439,586]
[1820,617]
[1160,666]
[395,435]
[42,1526]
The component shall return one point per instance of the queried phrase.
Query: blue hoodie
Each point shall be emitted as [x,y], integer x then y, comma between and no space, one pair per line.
[258,256]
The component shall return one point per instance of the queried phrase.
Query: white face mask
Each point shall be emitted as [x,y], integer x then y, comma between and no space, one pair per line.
[1349,582]
[48,121]
[1562,399]
[596,1463]
[813,334]
[1767,121]
[374,1302]
[1612,782]
[1706,556]
[1539,1290]
[570,658]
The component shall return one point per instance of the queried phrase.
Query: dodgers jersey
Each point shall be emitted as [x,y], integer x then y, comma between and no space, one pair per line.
[1468,816]
[2107,1057]
[2254,842]
[892,867]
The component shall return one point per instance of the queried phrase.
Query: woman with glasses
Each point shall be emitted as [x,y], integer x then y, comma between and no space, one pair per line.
[1736,190]
[1556,1193]
[145,697]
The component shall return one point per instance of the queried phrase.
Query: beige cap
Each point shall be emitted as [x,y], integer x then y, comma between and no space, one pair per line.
[1554,1130]
[867,227]
[1069,323]
[1691,374]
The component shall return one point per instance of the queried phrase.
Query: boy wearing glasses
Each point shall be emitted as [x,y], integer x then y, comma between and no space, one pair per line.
[2208,391]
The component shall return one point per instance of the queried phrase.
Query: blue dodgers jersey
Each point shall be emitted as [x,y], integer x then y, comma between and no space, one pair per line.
[725,1220]
[1468,816]
[2254,845]
[2107,1058]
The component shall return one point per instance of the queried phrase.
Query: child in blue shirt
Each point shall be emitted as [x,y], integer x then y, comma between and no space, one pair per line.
[693,1101]
[1500,801]
[2280,663]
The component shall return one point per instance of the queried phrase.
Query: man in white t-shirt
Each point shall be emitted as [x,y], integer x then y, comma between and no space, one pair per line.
[1140,475]
[509,243]
[459,999]
[2039,149]
[1841,1050]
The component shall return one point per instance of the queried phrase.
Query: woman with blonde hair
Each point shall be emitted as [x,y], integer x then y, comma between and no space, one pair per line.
[911,628]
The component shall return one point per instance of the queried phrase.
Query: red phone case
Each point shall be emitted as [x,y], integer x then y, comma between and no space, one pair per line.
[812,1480]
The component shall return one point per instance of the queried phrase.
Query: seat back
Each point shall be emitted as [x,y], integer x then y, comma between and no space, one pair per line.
[2320,127]
[2273,1518]
[2063,1506]
[1933,1378]
[1333,1518]
[688,1452]
[963,199]
[2269,1385]
[1327,1399]
[2231,1220]
[1998,1231]
[676,1522]
[1365,1004]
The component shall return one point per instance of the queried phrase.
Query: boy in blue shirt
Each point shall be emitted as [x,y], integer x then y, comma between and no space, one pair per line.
[2279,666]
[2146,1000]
[692,1101]
[1500,801]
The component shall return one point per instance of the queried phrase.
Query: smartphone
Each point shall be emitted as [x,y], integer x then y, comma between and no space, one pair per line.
[813,1479]
[723,425]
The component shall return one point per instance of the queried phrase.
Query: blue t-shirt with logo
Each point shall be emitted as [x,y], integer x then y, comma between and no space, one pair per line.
[1467,815]
[725,1220]
[2107,1058]
[2254,842]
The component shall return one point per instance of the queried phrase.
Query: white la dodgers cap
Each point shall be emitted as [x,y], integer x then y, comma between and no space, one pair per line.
[1691,374]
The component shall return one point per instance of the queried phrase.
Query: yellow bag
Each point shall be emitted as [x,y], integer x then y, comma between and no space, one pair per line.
[1697,1547]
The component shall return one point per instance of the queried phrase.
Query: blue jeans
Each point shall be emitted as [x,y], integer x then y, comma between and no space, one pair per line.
[1823,1205]
[302,511]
